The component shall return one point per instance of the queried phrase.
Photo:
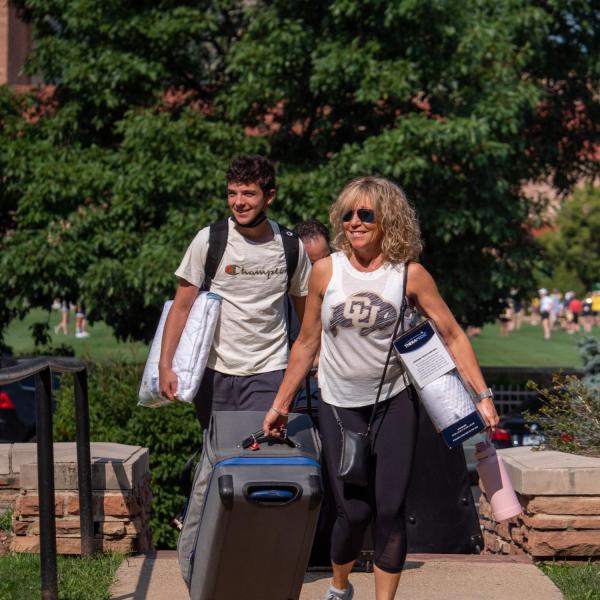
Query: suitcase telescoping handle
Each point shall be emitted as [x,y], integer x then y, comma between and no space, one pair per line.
[258,437]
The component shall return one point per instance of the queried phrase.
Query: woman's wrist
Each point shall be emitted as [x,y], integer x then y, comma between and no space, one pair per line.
[487,393]
[281,413]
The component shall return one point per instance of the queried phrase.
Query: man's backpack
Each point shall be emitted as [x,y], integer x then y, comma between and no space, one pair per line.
[217,241]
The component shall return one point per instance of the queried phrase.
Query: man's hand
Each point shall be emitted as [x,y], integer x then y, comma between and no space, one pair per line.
[274,423]
[167,383]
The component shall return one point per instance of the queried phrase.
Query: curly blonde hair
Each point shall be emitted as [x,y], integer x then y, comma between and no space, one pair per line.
[394,214]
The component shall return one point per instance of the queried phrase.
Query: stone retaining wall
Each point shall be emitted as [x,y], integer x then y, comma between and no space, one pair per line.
[560,496]
[121,498]
[11,456]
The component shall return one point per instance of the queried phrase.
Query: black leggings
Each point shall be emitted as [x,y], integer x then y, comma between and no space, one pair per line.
[394,436]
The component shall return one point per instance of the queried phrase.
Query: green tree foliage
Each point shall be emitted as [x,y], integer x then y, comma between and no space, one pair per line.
[574,248]
[106,179]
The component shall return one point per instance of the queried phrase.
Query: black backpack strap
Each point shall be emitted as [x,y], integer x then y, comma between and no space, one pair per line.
[217,241]
[291,249]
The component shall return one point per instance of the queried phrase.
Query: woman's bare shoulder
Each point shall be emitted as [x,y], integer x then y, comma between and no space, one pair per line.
[417,270]
[323,264]
[418,278]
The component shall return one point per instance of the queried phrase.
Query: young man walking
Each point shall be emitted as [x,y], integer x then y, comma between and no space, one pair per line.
[250,348]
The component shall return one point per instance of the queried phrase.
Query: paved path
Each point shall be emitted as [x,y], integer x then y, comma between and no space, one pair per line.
[427,577]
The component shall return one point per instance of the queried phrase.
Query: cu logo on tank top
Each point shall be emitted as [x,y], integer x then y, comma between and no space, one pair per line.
[365,310]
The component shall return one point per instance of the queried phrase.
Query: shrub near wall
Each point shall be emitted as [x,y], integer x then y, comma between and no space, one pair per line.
[171,433]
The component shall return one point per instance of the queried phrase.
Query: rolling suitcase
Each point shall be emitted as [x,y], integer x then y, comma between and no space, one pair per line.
[253,510]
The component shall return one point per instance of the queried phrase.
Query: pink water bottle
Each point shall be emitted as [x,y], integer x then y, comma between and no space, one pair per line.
[498,487]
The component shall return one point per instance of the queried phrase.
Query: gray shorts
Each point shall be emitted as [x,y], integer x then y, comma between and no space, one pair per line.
[219,391]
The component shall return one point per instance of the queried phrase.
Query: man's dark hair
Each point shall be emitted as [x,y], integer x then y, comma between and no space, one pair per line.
[312,229]
[252,168]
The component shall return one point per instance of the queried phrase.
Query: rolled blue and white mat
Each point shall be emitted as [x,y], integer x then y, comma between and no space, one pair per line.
[441,390]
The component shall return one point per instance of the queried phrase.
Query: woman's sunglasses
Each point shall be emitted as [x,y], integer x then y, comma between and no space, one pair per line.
[366,215]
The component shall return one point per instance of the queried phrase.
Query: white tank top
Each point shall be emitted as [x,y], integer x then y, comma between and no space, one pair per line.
[358,315]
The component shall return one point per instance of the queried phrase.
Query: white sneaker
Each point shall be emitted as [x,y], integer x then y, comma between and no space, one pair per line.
[336,594]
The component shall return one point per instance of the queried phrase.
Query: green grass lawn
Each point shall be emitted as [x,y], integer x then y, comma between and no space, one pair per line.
[527,347]
[576,582]
[100,346]
[78,578]
[524,348]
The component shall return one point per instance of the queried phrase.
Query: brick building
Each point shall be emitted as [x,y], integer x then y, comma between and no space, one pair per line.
[15,43]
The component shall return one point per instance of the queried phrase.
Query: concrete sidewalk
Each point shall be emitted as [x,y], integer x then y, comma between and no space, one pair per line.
[427,577]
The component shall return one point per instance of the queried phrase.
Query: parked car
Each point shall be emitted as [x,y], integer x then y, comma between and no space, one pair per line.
[515,430]
[17,407]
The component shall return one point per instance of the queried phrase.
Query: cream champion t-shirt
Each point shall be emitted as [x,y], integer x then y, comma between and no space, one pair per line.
[251,334]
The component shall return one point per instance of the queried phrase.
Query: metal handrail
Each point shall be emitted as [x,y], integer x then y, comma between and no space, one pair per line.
[33,366]
[41,369]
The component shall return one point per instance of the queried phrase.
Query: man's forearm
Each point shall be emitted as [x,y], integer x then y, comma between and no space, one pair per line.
[171,335]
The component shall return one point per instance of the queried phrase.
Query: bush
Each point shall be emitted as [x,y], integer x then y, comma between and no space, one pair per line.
[590,353]
[569,416]
[171,433]
[570,412]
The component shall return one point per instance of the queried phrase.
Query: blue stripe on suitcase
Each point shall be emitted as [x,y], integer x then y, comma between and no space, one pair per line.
[255,460]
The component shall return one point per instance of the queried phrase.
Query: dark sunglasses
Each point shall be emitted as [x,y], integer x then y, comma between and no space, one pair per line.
[366,215]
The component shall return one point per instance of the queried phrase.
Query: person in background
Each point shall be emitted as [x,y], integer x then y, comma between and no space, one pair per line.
[64,318]
[80,321]
[575,309]
[353,305]
[596,306]
[315,237]
[534,308]
[472,331]
[518,310]
[546,305]
[556,310]
[506,318]
[587,318]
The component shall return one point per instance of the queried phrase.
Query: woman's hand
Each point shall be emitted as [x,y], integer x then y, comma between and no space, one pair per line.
[488,412]
[274,423]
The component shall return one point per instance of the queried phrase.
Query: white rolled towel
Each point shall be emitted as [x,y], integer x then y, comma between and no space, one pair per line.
[446,400]
[191,355]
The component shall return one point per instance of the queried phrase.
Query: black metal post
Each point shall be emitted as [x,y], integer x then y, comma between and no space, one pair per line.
[84,469]
[45,459]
